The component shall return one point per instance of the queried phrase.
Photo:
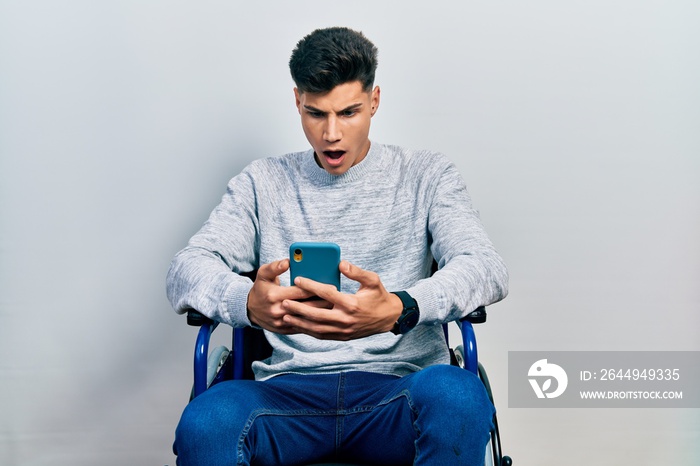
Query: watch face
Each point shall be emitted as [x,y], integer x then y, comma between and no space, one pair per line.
[409,321]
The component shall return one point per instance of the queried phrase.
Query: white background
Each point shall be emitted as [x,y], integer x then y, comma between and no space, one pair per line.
[575,124]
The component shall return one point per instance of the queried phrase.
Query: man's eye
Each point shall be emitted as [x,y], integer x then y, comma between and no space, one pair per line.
[315,114]
[348,113]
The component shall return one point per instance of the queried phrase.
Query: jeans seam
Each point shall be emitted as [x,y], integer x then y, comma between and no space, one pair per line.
[414,424]
[402,394]
[273,412]
[407,394]
[340,407]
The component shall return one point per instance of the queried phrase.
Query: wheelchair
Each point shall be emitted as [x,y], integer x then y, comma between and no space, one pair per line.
[249,345]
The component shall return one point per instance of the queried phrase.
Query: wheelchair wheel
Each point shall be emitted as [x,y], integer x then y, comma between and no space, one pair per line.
[497,457]
[215,361]
[488,458]
[459,355]
[493,447]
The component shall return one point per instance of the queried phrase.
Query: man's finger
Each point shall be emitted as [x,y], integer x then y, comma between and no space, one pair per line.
[357,274]
[311,318]
[315,310]
[321,290]
[269,272]
[318,303]
[293,293]
[319,325]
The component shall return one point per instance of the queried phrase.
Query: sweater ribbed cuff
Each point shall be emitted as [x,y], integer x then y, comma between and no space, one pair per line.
[429,302]
[236,305]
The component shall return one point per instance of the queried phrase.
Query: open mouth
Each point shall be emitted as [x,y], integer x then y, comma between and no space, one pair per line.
[334,157]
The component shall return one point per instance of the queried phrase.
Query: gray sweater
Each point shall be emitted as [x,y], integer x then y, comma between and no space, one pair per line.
[392,213]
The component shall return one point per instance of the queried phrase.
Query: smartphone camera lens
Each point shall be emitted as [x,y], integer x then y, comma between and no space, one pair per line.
[297,255]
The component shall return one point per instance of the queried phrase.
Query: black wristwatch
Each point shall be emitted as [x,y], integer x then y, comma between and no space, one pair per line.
[409,316]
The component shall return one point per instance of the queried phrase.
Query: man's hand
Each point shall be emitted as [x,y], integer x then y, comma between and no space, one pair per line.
[265,298]
[369,311]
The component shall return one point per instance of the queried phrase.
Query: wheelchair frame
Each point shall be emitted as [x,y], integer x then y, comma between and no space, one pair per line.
[249,344]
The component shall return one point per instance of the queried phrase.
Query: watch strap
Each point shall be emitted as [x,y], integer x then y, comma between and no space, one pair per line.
[408,317]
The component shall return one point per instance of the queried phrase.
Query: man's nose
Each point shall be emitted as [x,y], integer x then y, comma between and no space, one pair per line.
[331,132]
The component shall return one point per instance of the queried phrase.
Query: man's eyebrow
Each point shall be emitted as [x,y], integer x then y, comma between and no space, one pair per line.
[350,107]
[313,109]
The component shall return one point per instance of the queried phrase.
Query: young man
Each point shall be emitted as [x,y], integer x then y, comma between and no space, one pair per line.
[354,375]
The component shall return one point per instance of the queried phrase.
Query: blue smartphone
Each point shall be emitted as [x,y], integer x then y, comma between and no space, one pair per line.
[317,261]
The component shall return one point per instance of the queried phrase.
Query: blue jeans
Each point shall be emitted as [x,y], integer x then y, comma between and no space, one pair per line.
[440,415]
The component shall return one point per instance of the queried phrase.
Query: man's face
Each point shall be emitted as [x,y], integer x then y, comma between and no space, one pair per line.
[336,123]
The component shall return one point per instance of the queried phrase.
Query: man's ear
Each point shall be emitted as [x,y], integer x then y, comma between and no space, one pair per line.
[297,98]
[374,99]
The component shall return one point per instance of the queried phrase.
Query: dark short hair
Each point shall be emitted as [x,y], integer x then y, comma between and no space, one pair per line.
[328,57]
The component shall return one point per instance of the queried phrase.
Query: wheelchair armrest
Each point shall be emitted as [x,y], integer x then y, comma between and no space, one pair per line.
[471,358]
[477,316]
[197,319]
[201,348]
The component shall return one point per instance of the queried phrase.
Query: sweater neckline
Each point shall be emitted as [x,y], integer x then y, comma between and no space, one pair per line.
[368,165]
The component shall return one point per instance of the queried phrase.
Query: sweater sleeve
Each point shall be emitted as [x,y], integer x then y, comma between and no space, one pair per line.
[205,275]
[470,271]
